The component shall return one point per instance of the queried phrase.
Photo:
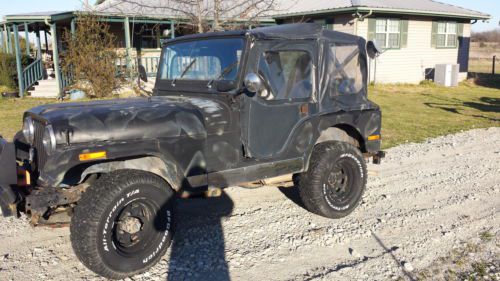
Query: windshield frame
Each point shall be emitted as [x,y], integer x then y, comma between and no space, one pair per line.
[199,86]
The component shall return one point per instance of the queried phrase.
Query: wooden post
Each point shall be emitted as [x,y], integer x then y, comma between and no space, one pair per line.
[27,38]
[494,62]
[11,43]
[2,42]
[126,25]
[18,61]
[55,56]
[172,29]
[46,42]
[39,50]
[38,44]
[7,39]
[73,27]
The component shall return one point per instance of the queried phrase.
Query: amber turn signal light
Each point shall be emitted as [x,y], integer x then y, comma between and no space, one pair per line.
[374,137]
[93,156]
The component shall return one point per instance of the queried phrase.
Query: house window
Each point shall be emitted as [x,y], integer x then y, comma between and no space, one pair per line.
[388,33]
[446,34]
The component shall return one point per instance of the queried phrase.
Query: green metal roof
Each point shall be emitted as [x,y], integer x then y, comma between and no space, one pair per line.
[39,16]
[406,7]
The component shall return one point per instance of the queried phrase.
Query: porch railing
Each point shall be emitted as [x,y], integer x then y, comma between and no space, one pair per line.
[32,74]
[67,78]
[151,65]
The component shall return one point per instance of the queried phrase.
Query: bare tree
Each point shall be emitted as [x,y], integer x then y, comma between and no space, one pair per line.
[202,15]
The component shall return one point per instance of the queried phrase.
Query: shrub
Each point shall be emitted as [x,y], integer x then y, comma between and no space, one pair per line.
[8,69]
[91,57]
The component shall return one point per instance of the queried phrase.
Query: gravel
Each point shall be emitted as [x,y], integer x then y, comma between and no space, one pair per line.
[425,200]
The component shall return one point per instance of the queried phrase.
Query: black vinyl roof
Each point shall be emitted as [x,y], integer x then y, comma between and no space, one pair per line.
[298,31]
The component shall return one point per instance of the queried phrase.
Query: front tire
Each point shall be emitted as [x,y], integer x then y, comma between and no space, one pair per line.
[123,223]
[335,182]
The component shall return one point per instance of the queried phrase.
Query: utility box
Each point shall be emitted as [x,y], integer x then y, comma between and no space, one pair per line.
[446,74]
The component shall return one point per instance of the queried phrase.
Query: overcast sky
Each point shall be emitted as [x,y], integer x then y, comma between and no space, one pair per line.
[491,7]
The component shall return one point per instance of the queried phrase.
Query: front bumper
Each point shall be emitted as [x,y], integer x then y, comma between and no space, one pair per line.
[8,178]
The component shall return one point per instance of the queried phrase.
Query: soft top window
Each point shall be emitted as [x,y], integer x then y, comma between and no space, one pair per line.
[288,74]
[202,60]
[347,76]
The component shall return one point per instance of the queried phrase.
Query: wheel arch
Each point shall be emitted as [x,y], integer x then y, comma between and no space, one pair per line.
[167,170]
[343,132]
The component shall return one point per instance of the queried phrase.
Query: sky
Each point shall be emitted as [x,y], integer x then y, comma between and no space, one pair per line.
[491,7]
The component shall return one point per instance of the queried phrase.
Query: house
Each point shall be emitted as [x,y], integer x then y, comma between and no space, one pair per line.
[415,35]
[139,27]
[138,37]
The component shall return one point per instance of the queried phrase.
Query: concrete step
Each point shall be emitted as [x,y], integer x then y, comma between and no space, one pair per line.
[51,94]
[47,81]
[45,89]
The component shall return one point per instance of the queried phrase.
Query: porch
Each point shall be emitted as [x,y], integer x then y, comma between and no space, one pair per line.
[139,39]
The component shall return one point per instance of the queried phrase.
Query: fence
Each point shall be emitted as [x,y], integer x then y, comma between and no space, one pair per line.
[151,65]
[484,65]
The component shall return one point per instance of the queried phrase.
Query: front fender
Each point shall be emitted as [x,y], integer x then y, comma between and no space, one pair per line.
[152,164]
[65,161]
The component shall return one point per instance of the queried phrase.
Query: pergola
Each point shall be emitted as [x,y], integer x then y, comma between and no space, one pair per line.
[52,22]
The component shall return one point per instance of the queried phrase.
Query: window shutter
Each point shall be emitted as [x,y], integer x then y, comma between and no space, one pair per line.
[371,29]
[434,34]
[404,33]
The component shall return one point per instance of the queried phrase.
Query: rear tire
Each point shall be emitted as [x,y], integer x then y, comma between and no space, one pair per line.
[122,225]
[335,182]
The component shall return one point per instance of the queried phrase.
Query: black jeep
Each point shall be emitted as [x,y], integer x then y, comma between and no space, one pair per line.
[227,108]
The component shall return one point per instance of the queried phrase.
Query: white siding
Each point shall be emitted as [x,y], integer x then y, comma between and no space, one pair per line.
[408,65]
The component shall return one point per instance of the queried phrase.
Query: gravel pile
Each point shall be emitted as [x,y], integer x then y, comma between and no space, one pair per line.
[424,201]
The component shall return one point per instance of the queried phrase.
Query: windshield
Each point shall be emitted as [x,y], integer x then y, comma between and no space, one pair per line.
[202,60]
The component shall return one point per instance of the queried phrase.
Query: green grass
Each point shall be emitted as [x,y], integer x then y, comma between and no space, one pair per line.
[11,114]
[5,89]
[411,113]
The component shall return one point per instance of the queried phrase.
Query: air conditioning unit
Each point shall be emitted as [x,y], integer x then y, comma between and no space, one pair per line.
[446,74]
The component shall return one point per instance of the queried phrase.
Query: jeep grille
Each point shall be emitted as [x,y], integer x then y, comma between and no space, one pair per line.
[41,154]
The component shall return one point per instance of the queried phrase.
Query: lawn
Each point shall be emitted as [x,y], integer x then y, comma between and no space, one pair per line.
[411,113]
[11,114]
[414,113]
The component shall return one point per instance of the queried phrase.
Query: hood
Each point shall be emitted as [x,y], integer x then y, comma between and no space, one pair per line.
[132,119]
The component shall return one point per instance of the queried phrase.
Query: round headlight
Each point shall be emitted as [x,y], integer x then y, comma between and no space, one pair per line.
[49,140]
[29,130]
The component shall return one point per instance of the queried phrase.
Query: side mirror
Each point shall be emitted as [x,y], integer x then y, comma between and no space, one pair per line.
[373,49]
[143,74]
[253,83]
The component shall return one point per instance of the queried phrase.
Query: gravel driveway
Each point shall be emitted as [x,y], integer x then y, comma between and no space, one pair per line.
[424,201]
